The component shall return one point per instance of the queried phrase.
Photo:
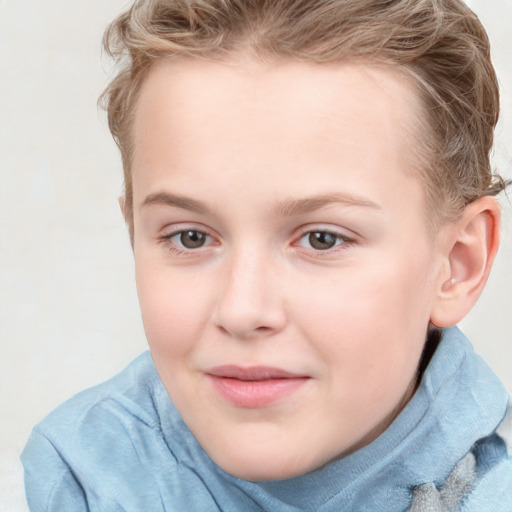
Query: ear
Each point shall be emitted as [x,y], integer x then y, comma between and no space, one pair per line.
[471,245]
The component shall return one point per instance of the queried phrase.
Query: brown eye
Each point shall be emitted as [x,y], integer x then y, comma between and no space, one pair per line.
[323,240]
[192,239]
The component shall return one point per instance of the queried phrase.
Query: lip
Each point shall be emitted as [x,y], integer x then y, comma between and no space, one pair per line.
[254,387]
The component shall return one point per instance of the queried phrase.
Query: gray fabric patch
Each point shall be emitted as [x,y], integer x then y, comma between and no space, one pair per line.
[504,429]
[428,498]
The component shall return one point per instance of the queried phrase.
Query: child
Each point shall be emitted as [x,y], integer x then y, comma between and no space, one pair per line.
[309,199]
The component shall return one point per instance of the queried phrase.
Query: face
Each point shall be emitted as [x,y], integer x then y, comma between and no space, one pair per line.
[283,265]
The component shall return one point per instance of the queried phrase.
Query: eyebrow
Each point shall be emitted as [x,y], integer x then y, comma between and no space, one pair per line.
[292,207]
[166,199]
[287,208]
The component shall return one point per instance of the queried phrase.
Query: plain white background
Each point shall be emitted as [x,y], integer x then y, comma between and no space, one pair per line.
[68,309]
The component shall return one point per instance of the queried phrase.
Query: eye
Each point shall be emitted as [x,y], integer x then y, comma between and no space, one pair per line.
[186,240]
[321,240]
[191,239]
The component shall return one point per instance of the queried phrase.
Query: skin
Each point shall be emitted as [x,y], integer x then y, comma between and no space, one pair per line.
[258,156]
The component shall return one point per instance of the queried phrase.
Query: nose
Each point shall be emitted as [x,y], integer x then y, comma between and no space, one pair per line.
[250,302]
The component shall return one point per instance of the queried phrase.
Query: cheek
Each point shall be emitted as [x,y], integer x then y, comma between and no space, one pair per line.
[369,323]
[174,307]
[380,298]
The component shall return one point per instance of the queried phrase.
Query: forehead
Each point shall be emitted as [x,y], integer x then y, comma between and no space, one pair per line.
[244,121]
[320,92]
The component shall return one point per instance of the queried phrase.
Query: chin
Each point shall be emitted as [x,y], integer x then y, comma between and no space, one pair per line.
[261,472]
[263,466]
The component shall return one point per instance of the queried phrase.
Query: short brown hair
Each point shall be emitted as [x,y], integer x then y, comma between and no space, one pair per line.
[440,44]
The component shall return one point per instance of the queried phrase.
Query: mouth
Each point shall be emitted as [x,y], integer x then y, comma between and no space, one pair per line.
[254,387]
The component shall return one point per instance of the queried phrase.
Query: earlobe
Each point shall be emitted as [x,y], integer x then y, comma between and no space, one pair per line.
[471,247]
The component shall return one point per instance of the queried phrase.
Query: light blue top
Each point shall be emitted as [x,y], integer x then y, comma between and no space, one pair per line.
[122,446]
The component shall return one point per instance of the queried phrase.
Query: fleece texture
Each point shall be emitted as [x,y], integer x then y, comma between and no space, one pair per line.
[122,446]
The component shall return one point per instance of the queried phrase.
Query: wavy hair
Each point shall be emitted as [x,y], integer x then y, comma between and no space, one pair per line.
[439,44]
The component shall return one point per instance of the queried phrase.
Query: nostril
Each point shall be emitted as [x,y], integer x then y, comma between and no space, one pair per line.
[241,332]
[223,329]
[263,329]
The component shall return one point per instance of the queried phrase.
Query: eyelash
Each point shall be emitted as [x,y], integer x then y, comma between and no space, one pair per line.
[342,241]
[175,248]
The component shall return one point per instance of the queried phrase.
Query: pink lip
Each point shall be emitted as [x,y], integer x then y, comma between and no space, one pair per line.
[254,387]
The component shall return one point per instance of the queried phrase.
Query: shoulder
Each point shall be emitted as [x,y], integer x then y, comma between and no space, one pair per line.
[96,433]
[493,488]
[481,480]
[130,391]
[468,420]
